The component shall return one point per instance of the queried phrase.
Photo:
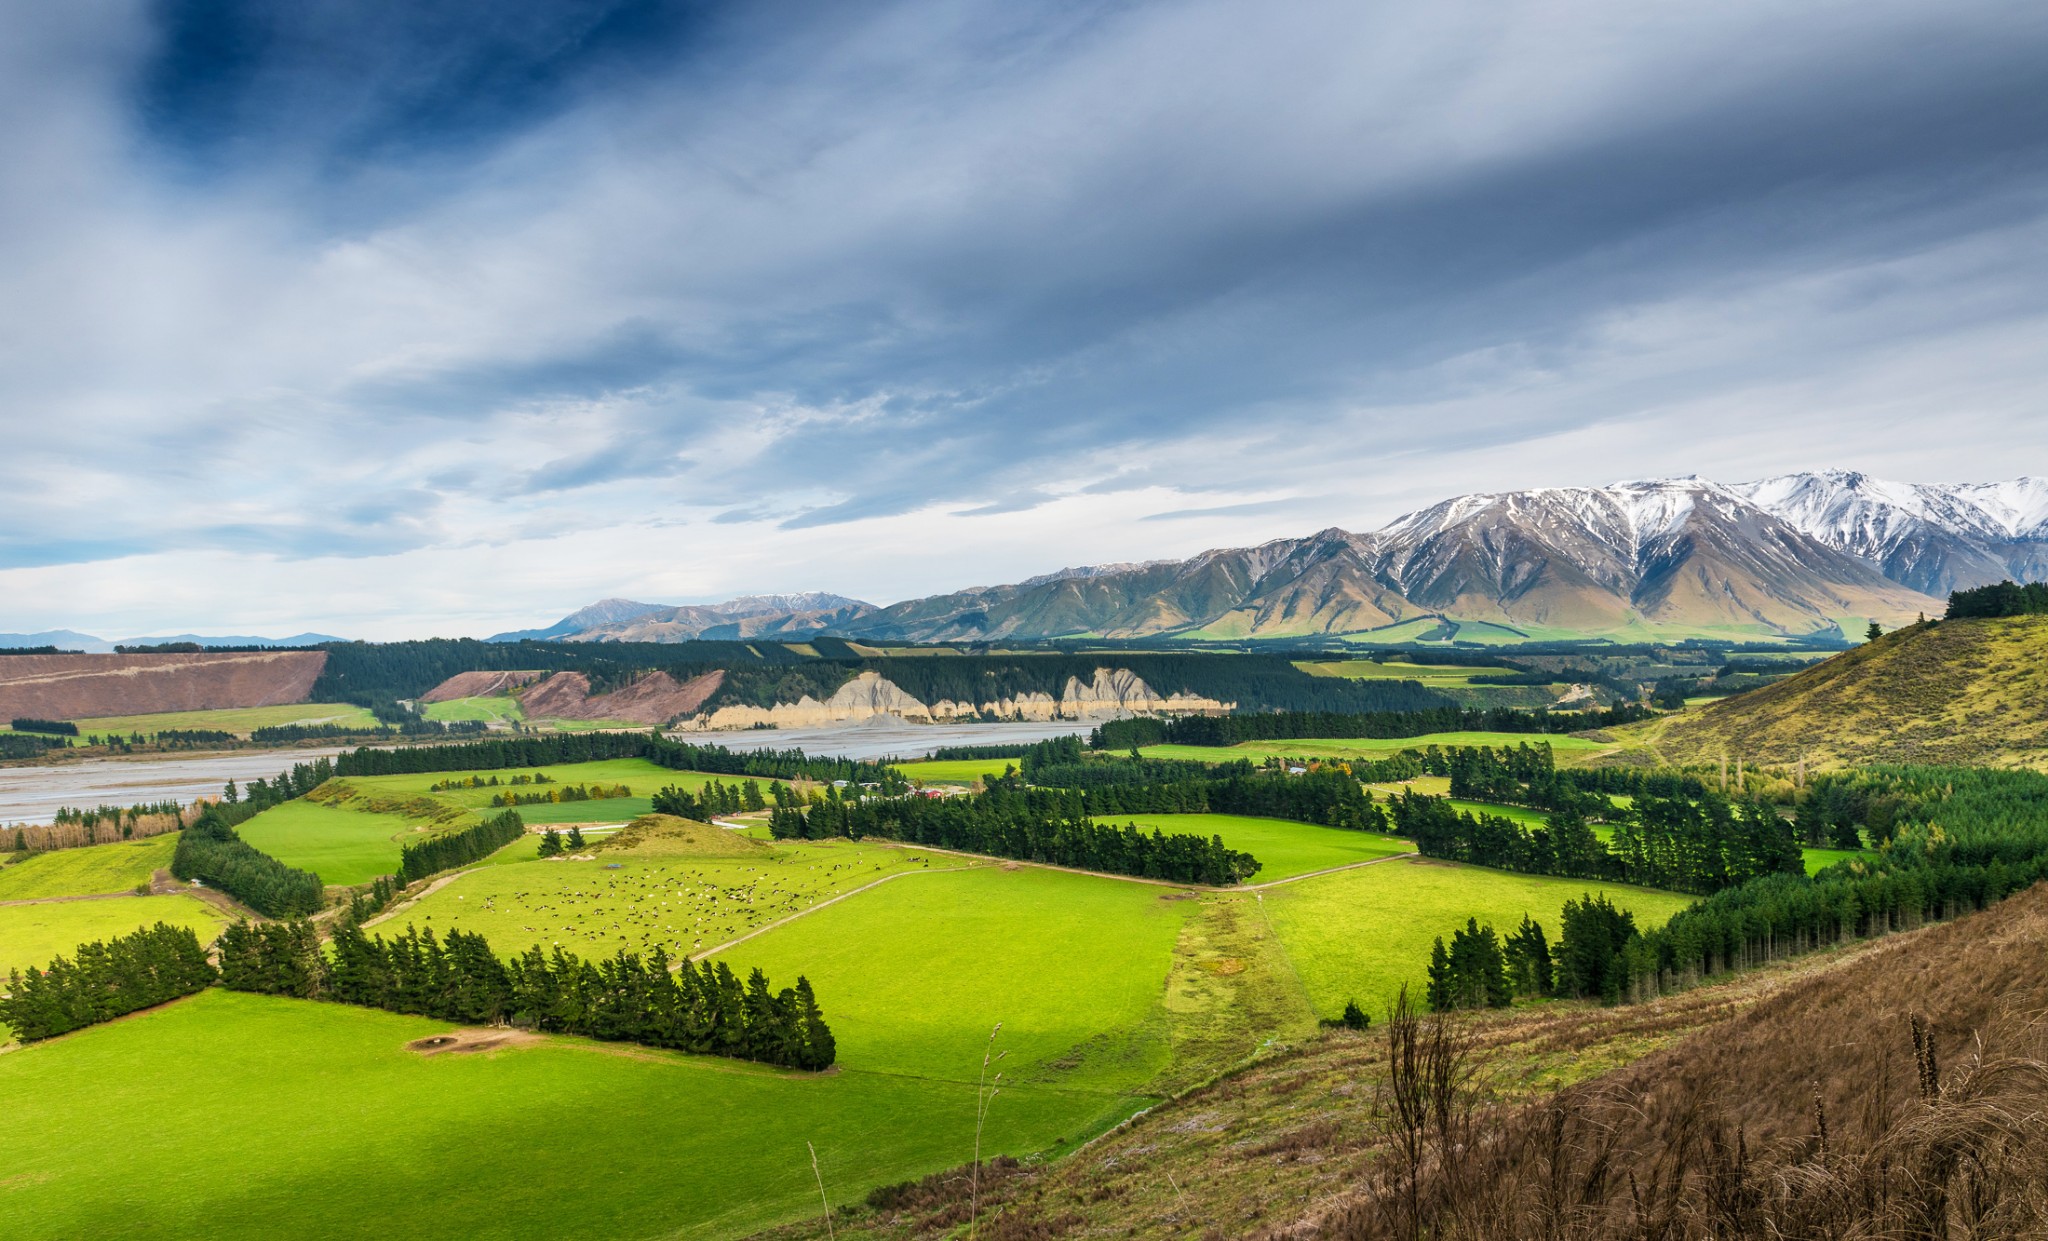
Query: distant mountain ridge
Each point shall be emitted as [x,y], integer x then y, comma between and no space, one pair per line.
[1798,555]
[749,616]
[72,640]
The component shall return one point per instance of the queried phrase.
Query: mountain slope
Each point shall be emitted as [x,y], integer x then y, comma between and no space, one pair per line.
[1798,555]
[1932,538]
[1963,692]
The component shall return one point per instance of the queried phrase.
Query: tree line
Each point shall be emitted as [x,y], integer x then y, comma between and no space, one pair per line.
[1699,845]
[2003,599]
[1224,730]
[105,980]
[54,728]
[703,1008]
[564,748]
[448,850]
[1033,825]
[1484,969]
[210,851]
[717,798]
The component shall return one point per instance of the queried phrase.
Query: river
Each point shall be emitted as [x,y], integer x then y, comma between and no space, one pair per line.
[33,794]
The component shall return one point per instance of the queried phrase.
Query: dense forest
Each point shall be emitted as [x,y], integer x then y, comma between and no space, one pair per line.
[2003,599]
[764,673]
[627,998]
[1290,725]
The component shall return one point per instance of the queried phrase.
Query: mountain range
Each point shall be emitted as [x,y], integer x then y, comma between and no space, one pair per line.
[1800,555]
[72,640]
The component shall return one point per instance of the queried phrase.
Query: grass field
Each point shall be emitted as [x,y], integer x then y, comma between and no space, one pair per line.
[315,1120]
[955,770]
[1564,746]
[1285,848]
[503,709]
[602,810]
[687,905]
[240,720]
[1435,676]
[31,934]
[643,777]
[915,974]
[117,867]
[1362,933]
[341,846]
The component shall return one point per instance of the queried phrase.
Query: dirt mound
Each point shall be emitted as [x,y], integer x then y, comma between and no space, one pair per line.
[665,835]
[655,698]
[462,1041]
[480,685]
[72,687]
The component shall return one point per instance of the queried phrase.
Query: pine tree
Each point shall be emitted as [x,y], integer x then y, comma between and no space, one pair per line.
[551,843]
[575,841]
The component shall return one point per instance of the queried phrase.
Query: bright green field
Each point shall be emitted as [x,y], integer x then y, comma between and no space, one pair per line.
[1433,675]
[955,770]
[84,872]
[686,905]
[1362,933]
[1285,848]
[914,974]
[1818,860]
[1365,747]
[502,709]
[249,1117]
[239,720]
[340,846]
[604,810]
[643,777]
[31,934]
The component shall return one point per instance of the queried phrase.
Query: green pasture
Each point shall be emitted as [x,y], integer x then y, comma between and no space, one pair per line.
[1563,745]
[1818,860]
[116,867]
[1435,676]
[684,905]
[914,974]
[238,720]
[500,709]
[244,1118]
[601,810]
[32,934]
[1362,933]
[955,770]
[342,846]
[1283,847]
[643,777]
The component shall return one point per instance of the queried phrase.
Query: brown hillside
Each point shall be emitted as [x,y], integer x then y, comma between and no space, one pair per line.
[479,685]
[72,687]
[655,698]
[1283,1148]
[1963,692]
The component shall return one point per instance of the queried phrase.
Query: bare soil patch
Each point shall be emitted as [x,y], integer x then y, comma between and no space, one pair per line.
[463,1042]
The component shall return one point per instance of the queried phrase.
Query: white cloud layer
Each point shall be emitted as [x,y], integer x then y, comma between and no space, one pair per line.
[932,295]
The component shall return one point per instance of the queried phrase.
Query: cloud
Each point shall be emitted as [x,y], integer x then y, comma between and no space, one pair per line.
[479,317]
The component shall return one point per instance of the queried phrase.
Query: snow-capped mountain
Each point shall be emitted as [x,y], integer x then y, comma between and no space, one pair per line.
[1933,538]
[1798,554]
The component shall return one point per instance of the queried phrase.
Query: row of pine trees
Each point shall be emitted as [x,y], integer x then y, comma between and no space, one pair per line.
[626,998]
[105,980]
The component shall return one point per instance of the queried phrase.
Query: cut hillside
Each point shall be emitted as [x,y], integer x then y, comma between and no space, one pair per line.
[1966,692]
[481,685]
[1283,1147]
[655,698]
[665,835]
[72,687]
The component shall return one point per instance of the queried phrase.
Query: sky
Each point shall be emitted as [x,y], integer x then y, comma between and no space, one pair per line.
[393,318]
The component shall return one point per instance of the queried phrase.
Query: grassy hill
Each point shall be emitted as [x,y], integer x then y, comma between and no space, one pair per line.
[1963,692]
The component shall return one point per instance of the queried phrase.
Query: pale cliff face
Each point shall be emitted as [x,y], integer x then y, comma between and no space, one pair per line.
[1112,693]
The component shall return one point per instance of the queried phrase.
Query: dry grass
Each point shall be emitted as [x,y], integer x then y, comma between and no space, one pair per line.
[1695,1116]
